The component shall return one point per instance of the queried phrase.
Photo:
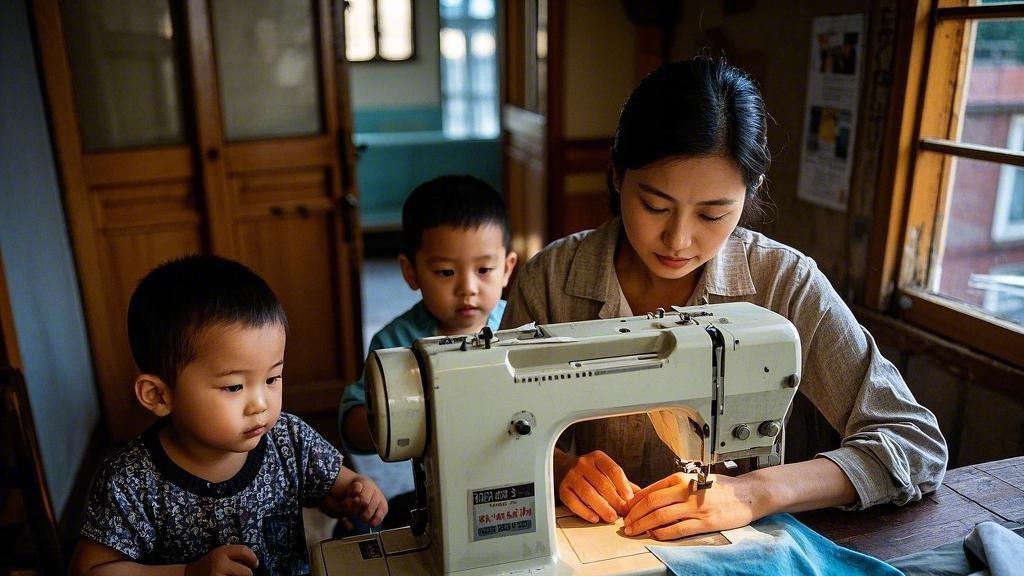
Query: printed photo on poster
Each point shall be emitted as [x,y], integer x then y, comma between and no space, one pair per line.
[830,112]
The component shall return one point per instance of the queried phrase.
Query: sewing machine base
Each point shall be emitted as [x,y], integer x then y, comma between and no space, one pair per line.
[386,554]
[585,550]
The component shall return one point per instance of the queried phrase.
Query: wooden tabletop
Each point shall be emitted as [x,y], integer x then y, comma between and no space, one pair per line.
[968,495]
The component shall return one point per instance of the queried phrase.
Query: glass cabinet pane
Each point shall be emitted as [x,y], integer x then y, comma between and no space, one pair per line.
[125,70]
[267,67]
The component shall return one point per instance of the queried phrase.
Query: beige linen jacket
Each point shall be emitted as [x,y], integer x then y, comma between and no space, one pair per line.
[892,449]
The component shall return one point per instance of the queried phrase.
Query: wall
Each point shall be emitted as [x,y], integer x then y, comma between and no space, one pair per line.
[43,288]
[600,70]
[405,86]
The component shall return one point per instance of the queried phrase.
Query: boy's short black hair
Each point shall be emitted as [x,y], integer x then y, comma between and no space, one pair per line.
[456,201]
[177,300]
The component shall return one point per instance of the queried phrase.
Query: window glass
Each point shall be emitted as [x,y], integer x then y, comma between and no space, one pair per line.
[395,25]
[379,30]
[125,71]
[267,68]
[360,36]
[973,267]
[469,68]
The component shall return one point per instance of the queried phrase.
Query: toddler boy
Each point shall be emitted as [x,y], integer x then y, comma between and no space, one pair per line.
[216,485]
[456,250]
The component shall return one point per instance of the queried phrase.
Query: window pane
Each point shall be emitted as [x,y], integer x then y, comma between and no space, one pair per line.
[126,74]
[452,9]
[974,265]
[359,32]
[469,68]
[481,9]
[995,84]
[267,68]
[395,24]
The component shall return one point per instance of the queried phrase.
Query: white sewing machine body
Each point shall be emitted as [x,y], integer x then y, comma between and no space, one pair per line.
[485,415]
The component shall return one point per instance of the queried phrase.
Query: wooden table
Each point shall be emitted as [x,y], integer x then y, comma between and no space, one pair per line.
[968,495]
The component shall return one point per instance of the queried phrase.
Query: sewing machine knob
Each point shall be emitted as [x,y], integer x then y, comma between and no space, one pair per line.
[522,427]
[521,424]
[741,432]
[769,428]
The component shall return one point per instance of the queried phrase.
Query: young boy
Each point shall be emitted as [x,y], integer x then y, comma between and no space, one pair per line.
[216,485]
[456,250]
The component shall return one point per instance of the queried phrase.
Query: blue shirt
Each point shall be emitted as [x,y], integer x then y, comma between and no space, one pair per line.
[415,323]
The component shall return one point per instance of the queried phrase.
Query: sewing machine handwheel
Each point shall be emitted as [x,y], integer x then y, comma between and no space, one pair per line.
[396,407]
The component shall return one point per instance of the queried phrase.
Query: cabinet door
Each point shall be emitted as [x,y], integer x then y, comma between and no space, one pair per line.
[196,126]
[274,71]
[117,87]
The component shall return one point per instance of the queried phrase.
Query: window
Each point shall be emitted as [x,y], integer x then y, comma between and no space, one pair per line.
[469,68]
[379,30]
[1008,222]
[958,265]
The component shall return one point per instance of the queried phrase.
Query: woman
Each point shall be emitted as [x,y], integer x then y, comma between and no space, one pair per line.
[688,167]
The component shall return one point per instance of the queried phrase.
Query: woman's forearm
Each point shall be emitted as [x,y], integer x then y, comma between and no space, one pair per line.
[810,485]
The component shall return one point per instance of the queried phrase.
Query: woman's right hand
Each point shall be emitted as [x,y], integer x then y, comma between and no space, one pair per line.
[594,487]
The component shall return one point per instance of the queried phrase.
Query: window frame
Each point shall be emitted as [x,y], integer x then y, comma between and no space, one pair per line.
[932,60]
[377,58]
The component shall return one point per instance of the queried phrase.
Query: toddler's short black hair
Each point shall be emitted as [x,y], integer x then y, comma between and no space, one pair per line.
[456,201]
[177,300]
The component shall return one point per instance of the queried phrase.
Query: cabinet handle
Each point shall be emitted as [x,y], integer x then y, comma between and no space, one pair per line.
[302,210]
[276,211]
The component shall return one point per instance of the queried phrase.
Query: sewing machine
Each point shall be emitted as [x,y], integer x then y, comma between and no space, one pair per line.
[480,415]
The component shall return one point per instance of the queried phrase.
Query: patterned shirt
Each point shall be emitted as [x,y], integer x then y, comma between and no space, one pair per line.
[154,512]
[892,449]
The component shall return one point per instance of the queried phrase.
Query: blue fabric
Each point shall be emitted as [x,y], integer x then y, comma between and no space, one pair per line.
[413,324]
[998,547]
[990,548]
[793,549]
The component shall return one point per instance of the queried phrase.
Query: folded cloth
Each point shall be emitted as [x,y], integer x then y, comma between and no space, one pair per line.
[990,548]
[791,548]
[998,547]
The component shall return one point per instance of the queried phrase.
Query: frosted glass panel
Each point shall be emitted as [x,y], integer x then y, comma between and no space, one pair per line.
[267,67]
[125,72]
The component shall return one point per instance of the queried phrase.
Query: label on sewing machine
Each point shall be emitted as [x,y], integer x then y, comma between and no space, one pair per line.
[502,511]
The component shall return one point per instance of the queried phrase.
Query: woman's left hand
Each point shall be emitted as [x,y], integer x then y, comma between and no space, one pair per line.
[672,507]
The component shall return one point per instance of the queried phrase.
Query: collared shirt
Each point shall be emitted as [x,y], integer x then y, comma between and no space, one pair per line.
[415,323]
[892,449]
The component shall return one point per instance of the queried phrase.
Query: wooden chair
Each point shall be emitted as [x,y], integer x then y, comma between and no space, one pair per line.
[27,475]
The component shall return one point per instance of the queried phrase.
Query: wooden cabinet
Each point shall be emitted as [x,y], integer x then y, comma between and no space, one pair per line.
[206,126]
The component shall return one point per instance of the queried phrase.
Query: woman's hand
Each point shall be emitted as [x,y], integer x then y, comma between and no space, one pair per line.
[595,488]
[673,508]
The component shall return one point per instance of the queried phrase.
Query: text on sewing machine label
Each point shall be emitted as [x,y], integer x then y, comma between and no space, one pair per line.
[502,511]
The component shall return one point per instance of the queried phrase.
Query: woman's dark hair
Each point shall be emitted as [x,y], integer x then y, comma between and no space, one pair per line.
[695,107]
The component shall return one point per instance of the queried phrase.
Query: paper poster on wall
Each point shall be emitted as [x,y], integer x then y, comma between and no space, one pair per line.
[830,112]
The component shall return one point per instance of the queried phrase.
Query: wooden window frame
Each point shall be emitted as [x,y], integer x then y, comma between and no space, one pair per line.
[932,56]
